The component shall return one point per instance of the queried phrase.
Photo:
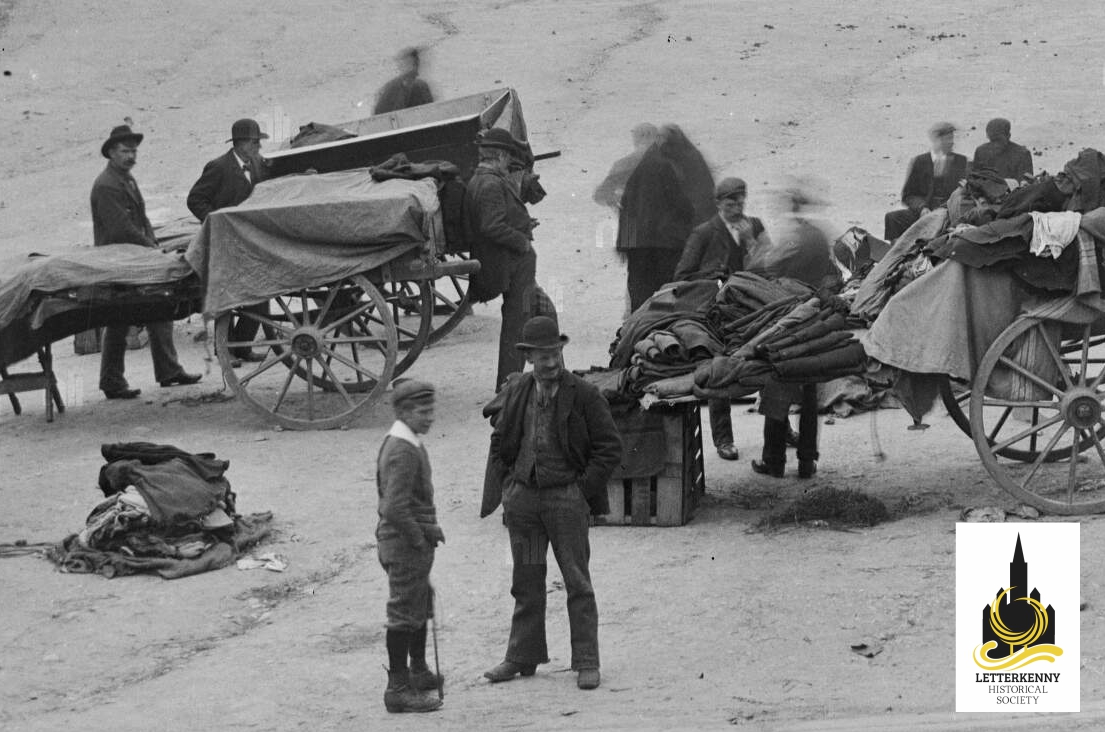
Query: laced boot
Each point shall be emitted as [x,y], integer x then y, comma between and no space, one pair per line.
[400,697]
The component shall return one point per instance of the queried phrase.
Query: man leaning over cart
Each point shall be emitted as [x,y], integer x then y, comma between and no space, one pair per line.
[227,181]
[119,217]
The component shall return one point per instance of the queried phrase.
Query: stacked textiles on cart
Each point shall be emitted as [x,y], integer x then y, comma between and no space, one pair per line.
[165,511]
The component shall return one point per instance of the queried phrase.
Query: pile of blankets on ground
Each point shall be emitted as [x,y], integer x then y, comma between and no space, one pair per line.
[692,338]
[166,511]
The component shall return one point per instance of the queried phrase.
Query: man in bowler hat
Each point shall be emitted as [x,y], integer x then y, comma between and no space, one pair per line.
[227,181]
[554,445]
[119,217]
[406,535]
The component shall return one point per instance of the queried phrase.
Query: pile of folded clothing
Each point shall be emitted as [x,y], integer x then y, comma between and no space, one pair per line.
[669,354]
[166,511]
[747,302]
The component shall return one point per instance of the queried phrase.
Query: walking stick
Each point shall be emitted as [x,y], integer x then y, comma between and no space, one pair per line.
[433,632]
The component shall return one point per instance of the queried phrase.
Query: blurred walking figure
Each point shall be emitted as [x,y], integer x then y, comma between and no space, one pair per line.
[609,193]
[667,195]
[931,178]
[406,89]
[802,252]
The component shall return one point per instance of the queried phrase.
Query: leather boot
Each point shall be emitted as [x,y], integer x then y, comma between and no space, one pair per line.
[400,697]
[425,679]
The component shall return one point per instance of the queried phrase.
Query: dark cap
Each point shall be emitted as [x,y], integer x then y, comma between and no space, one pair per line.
[998,127]
[941,128]
[120,134]
[499,138]
[730,187]
[541,332]
[408,392]
[246,129]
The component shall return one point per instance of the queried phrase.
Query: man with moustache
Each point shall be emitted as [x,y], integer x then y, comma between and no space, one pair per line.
[119,217]
[227,181]
[556,444]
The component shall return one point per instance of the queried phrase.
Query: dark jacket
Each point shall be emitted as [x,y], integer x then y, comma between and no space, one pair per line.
[586,431]
[223,183]
[1009,161]
[923,190]
[497,227]
[406,493]
[119,211]
[711,253]
[655,213]
[401,92]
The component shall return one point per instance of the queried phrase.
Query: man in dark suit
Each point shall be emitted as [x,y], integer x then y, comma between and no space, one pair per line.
[1002,155]
[556,444]
[931,179]
[499,229]
[119,217]
[714,250]
[227,181]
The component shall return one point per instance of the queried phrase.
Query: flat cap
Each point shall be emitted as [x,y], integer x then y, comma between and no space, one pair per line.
[411,391]
[941,128]
[729,187]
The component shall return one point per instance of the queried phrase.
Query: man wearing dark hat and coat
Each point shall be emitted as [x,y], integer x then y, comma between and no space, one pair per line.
[499,230]
[406,89]
[554,445]
[930,180]
[1002,155]
[716,249]
[227,181]
[406,536]
[119,217]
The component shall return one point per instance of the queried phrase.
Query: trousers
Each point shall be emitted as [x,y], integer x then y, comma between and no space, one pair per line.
[721,422]
[410,599]
[518,302]
[775,431]
[245,329]
[114,348]
[536,518]
[896,222]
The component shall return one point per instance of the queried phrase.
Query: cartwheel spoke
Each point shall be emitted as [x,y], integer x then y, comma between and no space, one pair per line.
[1001,423]
[999,446]
[292,319]
[356,366]
[1072,473]
[310,388]
[1013,403]
[325,309]
[1030,376]
[445,300]
[284,388]
[337,384]
[1064,371]
[355,312]
[1083,371]
[304,307]
[1043,455]
[271,360]
[1097,445]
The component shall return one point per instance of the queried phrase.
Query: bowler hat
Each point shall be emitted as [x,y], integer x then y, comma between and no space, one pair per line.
[500,138]
[541,332]
[411,391]
[246,129]
[119,134]
[941,128]
[730,187]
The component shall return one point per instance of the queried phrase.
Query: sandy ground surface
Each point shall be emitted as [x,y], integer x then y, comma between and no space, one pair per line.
[710,625]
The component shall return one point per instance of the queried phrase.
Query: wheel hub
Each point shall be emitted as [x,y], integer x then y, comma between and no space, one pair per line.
[1082,408]
[307,342]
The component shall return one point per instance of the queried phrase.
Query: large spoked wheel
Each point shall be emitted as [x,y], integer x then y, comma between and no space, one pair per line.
[330,352]
[449,297]
[410,309]
[1030,396]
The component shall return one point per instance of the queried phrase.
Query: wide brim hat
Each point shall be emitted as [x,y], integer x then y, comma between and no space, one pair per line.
[119,134]
[246,129]
[499,138]
[541,332]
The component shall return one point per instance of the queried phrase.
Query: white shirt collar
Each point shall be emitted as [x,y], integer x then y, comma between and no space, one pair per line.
[403,432]
[241,163]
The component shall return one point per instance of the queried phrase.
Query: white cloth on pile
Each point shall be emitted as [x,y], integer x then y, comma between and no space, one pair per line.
[1052,232]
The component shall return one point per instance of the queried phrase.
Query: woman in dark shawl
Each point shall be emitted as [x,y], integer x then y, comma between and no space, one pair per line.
[661,204]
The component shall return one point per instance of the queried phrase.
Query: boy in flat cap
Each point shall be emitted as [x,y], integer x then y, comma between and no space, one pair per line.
[406,536]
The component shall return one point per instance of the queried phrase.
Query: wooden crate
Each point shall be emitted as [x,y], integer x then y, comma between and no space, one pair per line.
[669,497]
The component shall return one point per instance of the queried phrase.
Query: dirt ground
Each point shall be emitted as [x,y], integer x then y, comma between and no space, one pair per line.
[710,625]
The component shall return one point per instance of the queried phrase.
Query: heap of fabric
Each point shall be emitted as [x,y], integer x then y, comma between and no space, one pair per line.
[748,303]
[666,355]
[166,511]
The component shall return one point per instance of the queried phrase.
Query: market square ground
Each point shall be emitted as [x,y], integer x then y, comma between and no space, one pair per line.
[704,626]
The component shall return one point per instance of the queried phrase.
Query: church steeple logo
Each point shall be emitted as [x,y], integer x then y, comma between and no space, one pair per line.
[1017,629]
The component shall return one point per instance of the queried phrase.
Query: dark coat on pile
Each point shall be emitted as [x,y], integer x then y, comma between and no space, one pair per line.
[223,183]
[585,428]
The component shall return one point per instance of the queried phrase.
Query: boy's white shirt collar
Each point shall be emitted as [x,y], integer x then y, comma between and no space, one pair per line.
[403,432]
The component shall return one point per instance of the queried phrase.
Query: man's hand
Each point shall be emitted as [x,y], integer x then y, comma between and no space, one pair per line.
[434,535]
